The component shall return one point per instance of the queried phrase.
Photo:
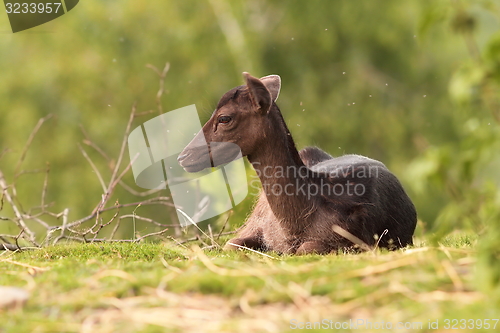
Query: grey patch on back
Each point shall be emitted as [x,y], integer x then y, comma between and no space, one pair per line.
[346,161]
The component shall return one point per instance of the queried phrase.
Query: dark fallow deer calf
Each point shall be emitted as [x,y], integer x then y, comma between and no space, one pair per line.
[306,196]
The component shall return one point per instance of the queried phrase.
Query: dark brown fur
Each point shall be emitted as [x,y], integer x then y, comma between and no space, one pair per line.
[302,223]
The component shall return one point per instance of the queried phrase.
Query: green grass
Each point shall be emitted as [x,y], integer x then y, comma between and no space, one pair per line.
[163,287]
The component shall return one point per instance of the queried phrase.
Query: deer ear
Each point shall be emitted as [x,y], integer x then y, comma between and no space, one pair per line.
[259,93]
[273,84]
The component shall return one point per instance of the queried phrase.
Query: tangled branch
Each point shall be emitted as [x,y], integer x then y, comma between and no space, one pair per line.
[103,215]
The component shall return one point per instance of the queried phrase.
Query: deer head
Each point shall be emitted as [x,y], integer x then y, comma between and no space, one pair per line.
[236,127]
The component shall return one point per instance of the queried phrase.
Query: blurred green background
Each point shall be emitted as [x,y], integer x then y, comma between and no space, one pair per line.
[412,83]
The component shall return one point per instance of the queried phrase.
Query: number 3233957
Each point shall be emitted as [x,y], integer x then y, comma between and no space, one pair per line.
[32,8]
[455,324]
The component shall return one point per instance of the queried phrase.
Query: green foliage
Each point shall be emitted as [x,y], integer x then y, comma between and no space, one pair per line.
[464,173]
[456,176]
[488,273]
[466,170]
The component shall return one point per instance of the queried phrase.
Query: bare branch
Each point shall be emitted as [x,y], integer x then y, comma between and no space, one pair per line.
[198,237]
[152,201]
[140,114]
[162,76]
[151,234]
[90,143]
[225,223]
[9,247]
[30,140]
[98,174]
[27,172]
[146,219]
[44,189]
[115,229]
[19,216]
[79,230]
[153,67]
[5,151]
[113,181]
[1,199]
[36,219]
[124,144]
[137,193]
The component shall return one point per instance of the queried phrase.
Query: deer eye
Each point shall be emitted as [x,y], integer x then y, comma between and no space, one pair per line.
[224,119]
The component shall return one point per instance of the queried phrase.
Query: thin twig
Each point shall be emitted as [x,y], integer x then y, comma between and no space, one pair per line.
[225,223]
[114,180]
[197,237]
[19,216]
[28,143]
[151,234]
[63,227]
[27,172]
[137,193]
[1,200]
[193,223]
[90,143]
[162,76]
[45,184]
[92,165]
[5,151]
[101,226]
[9,247]
[144,113]
[152,201]
[147,219]
[36,219]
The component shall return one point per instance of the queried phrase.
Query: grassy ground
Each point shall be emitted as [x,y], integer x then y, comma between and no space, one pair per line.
[160,287]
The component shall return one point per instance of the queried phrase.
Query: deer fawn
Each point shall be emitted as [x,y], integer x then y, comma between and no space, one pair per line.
[305,195]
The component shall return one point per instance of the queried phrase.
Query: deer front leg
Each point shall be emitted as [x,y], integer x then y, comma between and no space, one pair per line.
[312,247]
[251,235]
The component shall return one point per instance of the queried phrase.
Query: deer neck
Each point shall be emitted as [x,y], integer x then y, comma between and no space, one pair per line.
[284,177]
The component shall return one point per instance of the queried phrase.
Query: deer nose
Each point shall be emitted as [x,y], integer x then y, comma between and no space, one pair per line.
[180,158]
